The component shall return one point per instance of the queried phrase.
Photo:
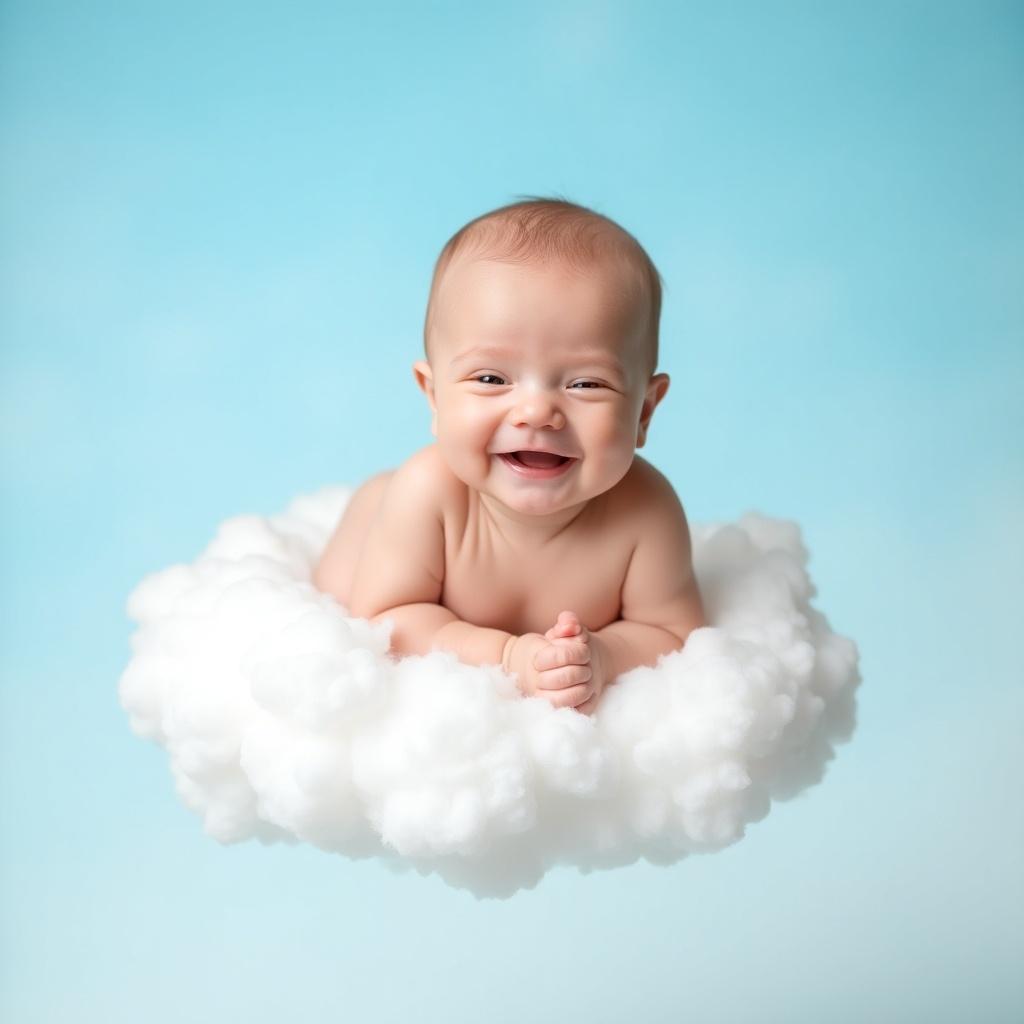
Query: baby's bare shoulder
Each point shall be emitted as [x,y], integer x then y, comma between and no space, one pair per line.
[643,491]
[425,478]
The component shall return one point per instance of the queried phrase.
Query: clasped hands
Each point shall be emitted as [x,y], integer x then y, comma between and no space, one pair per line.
[566,664]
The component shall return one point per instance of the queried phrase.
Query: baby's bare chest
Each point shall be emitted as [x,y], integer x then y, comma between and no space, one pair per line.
[519,588]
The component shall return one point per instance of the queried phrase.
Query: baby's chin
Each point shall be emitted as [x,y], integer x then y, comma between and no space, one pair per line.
[537,499]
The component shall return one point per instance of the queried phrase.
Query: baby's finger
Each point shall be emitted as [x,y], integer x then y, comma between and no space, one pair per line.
[570,697]
[558,655]
[561,678]
[562,633]
[568,624]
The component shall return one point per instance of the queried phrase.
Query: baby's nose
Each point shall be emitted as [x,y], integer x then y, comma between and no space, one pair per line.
[538,411]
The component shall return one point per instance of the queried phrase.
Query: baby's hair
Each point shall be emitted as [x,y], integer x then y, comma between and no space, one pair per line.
[536,229]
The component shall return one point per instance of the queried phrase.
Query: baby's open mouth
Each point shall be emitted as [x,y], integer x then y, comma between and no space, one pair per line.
[536,460]
[527,465]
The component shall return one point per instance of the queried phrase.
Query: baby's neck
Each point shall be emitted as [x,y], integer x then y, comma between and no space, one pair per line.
[520,528]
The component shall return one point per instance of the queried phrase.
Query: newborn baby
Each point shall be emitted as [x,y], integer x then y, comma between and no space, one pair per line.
[530,533]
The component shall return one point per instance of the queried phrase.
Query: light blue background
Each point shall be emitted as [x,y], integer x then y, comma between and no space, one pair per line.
[218,226]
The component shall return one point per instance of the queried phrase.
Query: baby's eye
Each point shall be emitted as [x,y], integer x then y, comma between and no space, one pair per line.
[493,376]
[586,384]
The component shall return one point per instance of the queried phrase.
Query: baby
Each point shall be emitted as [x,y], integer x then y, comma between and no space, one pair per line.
[530,533]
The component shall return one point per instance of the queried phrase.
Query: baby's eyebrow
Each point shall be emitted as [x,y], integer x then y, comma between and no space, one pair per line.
[613,362]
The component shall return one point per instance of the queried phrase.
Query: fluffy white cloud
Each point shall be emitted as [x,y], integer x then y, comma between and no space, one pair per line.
[285,719]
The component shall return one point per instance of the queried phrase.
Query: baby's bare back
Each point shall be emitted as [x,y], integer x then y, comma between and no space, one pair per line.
[492,580]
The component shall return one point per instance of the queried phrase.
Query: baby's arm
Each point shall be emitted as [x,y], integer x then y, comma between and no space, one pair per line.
[400,571]
[661,603]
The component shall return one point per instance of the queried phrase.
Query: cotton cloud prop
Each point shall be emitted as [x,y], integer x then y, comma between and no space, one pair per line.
[286,719]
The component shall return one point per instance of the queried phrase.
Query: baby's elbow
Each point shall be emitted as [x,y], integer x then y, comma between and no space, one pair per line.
[682,631]
[679,638]
[327,583]
[363,609]
[319,578]
[694,616]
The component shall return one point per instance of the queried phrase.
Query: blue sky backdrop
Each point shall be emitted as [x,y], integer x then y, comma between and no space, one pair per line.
[217,227]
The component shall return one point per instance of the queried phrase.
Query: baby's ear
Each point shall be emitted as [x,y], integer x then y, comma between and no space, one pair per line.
[656,389]
[425,381]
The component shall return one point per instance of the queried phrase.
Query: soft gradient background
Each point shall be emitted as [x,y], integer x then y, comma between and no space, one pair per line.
[218,226]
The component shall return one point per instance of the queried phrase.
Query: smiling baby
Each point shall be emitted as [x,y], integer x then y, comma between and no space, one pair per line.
[530,533]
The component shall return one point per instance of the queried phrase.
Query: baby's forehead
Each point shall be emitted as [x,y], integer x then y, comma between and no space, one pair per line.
[613,353]
[491,290]
[611,268]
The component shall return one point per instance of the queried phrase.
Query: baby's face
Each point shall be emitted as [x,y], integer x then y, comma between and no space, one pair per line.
[538,358]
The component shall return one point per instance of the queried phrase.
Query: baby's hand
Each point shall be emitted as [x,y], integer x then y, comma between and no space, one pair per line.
[560,664]
[559,671]
[569,633]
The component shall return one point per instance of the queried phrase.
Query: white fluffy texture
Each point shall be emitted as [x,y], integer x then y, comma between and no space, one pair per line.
[286,719]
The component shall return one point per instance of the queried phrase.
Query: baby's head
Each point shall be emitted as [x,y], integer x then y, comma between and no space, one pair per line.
[541,334]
